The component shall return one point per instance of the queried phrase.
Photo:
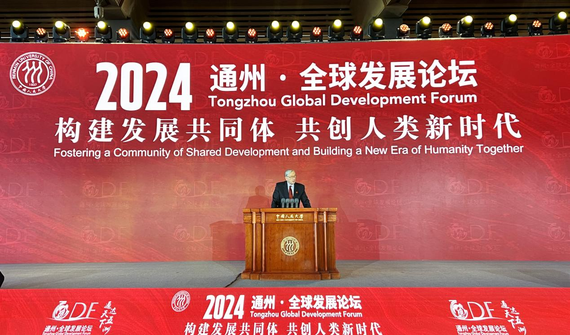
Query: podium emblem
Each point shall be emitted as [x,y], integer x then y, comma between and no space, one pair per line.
[289,246]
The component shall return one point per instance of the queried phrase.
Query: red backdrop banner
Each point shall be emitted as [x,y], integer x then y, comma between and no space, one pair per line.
[291,311]
[455,149]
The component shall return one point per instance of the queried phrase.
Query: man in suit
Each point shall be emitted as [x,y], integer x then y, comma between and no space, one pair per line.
[289,189]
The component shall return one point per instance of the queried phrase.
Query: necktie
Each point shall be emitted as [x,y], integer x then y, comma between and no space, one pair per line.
[290,192]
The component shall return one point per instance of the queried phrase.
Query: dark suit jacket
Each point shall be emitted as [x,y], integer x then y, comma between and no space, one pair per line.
[281,192]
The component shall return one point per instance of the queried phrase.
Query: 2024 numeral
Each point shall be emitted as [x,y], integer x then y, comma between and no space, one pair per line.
[131,88]
[222,307]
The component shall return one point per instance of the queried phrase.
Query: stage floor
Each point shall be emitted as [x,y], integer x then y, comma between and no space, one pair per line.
[383,297]
[353,274]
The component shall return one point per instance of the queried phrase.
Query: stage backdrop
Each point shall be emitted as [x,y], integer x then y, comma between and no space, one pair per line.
[439,150]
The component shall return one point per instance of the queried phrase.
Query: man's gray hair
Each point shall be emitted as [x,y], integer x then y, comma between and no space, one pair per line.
[287,172]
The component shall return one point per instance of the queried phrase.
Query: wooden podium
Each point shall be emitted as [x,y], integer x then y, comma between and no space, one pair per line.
[290,243]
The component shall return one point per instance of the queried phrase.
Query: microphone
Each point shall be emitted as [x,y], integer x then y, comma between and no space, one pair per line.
[283,202]
[296,203]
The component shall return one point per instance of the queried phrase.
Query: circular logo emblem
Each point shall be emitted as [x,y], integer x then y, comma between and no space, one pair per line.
[180,301]
[555,232]
[32,73]
[89,189]
[289,246]
[3,145]
[457,310]
[182,189]
[60,311]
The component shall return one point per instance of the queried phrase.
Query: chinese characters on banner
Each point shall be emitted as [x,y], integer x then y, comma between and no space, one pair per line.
[288,311]
[226,78]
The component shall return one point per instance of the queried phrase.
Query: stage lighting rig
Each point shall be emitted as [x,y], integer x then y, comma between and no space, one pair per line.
[274,32]
[210,36]
[168,36]
[316,34]
[18,32]
[251,36]
[403,32]
[82,35]
[488,30]
[148,33]
[424,28]
[336,31]
[123,35]
[356,34]
[61,32]
[230,32]
[535,28]
[445,31]
[294,32]
[558,24]
[189,33]
[509,26]
[41,36]
[376,29]
[466,27]
[103,32]
[98,10]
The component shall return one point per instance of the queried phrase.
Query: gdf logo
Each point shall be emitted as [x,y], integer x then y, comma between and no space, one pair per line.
[79,311]
[32,73]
[474,311]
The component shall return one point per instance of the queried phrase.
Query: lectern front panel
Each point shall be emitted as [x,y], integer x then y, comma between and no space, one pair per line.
[290,243]
[290,248]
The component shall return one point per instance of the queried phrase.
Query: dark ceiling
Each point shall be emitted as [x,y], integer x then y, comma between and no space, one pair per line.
[257,14]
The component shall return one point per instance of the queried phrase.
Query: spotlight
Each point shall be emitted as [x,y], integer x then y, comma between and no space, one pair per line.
[509,26]
[18,32]
[423,28]
[41,36]
[168,36]
[356,34]
[336,31]
[488,30]
[445,31]
[210,36]
[82,35]
[403,31]
[189,33]
[294,32]
[558,24]
[251,36]
[274,32]
[123,35]
[376,29]
[103,32]
[230,32]
[535,28]
[465,27]
[148,33]
[316,34]
[61,32]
